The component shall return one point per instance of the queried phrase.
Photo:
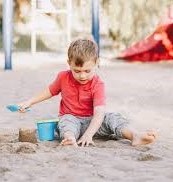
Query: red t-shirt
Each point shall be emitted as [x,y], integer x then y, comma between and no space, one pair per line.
[78,99]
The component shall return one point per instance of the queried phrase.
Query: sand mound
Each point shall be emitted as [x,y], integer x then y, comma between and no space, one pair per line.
[18,147]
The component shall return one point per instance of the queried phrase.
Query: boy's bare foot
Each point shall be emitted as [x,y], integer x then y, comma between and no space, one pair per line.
[144,138]
[69,141]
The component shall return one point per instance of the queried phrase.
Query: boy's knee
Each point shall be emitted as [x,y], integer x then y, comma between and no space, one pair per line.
[115,123]
[67,124]
[115,119]
[112,125]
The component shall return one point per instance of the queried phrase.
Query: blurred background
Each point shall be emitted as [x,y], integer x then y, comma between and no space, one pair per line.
[122,22]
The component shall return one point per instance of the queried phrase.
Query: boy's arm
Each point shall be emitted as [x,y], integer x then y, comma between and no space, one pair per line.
[95,124]
[44,95]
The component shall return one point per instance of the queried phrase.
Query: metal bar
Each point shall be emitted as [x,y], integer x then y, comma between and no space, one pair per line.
[8,32]
[95,21]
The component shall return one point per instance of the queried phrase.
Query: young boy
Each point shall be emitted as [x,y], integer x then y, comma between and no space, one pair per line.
[82,108]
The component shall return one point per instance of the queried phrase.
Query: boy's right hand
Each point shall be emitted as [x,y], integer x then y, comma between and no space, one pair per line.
[24,106]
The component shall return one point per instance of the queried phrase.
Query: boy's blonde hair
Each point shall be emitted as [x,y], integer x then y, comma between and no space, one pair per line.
[81,51]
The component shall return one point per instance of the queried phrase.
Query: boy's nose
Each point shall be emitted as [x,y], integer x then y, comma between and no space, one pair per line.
[82,76]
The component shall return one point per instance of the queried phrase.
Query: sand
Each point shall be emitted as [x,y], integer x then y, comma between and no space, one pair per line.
[141,92]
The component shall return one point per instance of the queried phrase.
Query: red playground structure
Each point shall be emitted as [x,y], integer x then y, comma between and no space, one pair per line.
[158,46]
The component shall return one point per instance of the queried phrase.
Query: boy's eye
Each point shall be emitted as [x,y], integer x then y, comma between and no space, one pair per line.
[87,71]
[76,71]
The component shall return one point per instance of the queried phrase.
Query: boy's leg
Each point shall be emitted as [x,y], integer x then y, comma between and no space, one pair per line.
[112,126]
[117,127]
[69,129]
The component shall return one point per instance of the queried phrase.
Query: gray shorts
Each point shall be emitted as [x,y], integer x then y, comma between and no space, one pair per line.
[112,126]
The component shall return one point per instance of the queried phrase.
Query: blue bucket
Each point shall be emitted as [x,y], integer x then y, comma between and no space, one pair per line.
[46,130]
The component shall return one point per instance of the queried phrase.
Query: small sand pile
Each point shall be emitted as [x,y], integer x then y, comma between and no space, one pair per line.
[18,147]
[148,157]
[27,135]
[21,140]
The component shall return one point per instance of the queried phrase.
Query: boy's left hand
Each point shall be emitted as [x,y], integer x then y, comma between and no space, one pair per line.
[85,141]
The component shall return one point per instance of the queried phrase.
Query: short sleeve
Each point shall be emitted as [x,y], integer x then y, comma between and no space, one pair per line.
[99,94]
[55,86]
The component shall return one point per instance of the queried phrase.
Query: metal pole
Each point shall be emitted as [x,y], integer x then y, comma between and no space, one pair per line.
[7,31]
[95,21]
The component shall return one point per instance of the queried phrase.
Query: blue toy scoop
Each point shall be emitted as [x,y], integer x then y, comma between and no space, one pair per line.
[14,108]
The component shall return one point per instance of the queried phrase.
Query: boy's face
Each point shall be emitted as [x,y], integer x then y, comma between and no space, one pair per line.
[85,73]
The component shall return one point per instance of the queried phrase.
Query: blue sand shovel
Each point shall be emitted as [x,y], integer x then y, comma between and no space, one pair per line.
[15,108]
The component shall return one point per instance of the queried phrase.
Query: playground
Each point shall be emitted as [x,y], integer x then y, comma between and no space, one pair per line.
[141,92]
[144,95]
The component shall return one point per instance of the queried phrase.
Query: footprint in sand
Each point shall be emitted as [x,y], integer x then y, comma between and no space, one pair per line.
[148,157]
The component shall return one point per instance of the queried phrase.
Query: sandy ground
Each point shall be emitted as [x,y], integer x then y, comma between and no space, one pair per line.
[141,92]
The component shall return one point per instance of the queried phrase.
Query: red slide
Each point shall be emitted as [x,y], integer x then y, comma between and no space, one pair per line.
[157,46]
